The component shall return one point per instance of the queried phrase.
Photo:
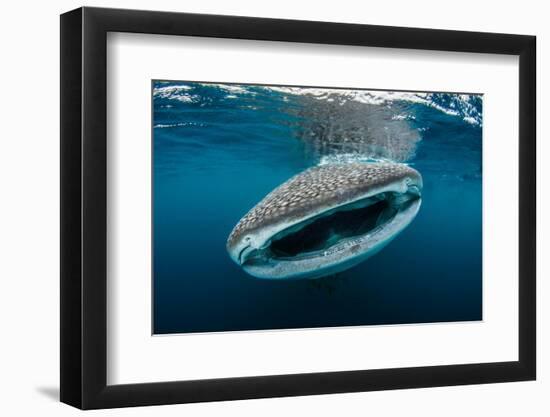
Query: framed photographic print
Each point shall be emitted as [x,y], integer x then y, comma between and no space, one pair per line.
[257,208]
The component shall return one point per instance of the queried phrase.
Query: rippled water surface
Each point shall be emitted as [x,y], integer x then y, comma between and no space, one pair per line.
[220,148]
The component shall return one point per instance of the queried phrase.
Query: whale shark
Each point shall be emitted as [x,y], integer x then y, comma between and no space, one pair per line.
[326,219]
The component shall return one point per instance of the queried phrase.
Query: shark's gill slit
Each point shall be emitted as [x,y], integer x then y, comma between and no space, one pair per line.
[332,227]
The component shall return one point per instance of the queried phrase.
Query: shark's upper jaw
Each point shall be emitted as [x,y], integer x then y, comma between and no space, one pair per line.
[330,236]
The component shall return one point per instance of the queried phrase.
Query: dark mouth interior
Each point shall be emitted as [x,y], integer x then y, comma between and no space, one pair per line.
[327,230]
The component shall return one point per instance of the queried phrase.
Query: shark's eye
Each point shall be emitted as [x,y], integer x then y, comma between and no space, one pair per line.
[247,239]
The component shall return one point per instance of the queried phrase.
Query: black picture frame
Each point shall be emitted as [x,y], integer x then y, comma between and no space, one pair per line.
[84,207]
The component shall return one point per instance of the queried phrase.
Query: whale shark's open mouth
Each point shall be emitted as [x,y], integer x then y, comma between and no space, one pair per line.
[333,228]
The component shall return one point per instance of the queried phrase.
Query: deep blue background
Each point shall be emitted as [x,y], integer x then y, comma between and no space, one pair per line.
[218,151]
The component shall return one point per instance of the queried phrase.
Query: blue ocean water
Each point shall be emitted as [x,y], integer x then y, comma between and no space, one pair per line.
[220,148]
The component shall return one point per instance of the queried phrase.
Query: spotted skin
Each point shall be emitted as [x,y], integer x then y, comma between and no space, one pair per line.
[321,186]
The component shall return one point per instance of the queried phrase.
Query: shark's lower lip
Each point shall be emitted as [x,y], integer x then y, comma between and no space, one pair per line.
[241,253]
[344,231]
